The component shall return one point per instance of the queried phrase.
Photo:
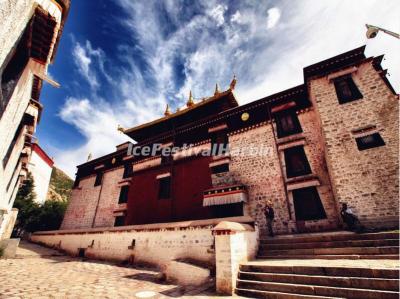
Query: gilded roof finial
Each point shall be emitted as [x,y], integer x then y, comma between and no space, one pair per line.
[167,112]
[216,89]
[233,83]
[89,157]
[190,101]
[121,129]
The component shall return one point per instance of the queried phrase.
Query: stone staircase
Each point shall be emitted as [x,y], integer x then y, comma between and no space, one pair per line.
[344,245]
[330,265]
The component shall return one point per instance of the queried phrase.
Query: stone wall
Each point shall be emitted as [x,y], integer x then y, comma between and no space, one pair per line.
[156,244]
[109,198]
[367,180]
[261,174]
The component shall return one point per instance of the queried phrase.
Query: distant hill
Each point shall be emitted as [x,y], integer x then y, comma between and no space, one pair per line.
[60,186]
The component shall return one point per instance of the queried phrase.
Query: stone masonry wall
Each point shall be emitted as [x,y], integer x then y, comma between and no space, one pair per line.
[367,180]
[109,198]
[82,206]
[156,246]
[261,175]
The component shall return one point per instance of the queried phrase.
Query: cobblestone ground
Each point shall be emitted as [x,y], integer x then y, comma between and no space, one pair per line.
[38,272]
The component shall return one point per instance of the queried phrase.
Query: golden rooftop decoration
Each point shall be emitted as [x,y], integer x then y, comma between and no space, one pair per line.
[216,89]
[190,101]
[120,128]
[233,83]
[167,111]
[89,157]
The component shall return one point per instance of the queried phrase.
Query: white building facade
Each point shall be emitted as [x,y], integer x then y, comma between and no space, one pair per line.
[29,34]
[40,166]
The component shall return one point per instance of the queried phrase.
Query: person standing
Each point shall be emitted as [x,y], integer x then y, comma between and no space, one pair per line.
[269,217]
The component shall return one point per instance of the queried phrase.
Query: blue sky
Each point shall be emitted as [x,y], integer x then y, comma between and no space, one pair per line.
[121,61]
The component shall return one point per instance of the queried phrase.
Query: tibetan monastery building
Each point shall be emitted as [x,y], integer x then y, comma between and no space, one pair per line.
[307,149]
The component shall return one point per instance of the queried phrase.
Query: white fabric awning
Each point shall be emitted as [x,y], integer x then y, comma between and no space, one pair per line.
[224,198]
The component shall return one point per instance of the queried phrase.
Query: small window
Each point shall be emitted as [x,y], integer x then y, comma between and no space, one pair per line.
[307,204]
[220,168]
[119,221]
[99,178]
[287,123]
[369,141]
[296,162]
[220,143]
[164,189]
[346,90]
[123,194]
[128,170]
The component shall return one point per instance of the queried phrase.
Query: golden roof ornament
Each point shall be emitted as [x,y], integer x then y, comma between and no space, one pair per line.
[167,111]
[89,157]
[233,83]
[216,89]
[121,129]
[190,101]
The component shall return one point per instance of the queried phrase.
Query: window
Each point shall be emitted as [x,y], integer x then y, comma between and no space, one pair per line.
[287,123]
[307,204]
[128,171]
[220,168]
[369,141]
[99,178]
[123,194]
[119,221]
[219,143]
[296,162]
[164,189]
[346,89]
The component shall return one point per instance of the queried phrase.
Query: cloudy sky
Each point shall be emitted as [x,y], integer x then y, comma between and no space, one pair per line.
[121,61]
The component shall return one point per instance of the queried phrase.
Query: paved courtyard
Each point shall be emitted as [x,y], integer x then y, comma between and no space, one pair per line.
[38,272]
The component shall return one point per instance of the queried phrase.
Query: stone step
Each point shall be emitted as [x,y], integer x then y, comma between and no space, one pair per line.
[276,295]
[333,257]
[323,271]
[332,251]
[332,244]
[316,290]
[333,281]
[329,237]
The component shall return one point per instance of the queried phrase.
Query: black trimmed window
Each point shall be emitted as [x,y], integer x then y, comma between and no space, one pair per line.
[219,143]
[369,141]
[220,168]
[123,194]
[346,90]
[99,178]
[164,188]
[307,204]
[287,123]
[296,162]
[128,170]
[119,221]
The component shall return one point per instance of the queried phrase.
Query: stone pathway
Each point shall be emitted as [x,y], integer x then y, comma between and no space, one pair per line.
[38,272]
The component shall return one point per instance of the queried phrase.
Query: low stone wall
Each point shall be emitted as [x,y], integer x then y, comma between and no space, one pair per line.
[155,244]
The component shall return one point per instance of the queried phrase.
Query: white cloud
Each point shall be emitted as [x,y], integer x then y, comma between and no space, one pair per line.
[265,61]
[217,13]
[274,14]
